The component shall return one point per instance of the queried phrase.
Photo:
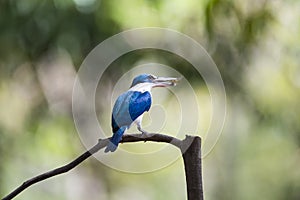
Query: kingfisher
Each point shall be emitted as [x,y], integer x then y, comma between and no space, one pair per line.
[131,105]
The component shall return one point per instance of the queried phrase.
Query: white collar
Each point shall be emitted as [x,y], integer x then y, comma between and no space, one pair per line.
[142,87]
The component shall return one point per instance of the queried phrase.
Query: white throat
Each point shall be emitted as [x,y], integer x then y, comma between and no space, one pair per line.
[142,87]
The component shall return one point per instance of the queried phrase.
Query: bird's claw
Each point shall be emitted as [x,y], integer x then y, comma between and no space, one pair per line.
[144,134]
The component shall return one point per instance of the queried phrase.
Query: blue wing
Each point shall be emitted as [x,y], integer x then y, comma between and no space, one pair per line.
[129,106]
[140,103]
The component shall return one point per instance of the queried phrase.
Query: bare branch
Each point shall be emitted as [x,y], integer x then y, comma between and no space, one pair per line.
[190,148]
[101,144]
[193,167]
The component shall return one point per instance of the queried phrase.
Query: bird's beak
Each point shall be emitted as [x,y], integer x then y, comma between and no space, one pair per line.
[165,81]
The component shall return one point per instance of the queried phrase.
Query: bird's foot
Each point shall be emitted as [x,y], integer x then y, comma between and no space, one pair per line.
[144,133]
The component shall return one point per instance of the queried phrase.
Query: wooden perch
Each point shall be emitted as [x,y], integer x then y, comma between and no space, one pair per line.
[190,148]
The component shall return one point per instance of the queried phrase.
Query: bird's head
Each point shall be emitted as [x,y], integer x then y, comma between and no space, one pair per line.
[155,81]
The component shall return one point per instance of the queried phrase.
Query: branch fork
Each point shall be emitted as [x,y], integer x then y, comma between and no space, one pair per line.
[190,148]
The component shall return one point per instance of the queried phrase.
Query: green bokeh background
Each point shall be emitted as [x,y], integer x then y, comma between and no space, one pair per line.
[255,45]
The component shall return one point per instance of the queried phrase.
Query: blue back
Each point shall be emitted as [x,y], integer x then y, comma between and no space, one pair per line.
[128,107]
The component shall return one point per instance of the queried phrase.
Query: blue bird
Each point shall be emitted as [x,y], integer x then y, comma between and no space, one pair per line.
[131,105]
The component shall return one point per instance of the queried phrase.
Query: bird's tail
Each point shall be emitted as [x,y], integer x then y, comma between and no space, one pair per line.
[114,141]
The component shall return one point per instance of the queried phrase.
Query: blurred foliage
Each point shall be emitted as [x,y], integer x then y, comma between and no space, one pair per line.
[255,45]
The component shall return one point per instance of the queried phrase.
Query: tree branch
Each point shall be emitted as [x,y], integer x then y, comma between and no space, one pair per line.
[181,144]
[193,167]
